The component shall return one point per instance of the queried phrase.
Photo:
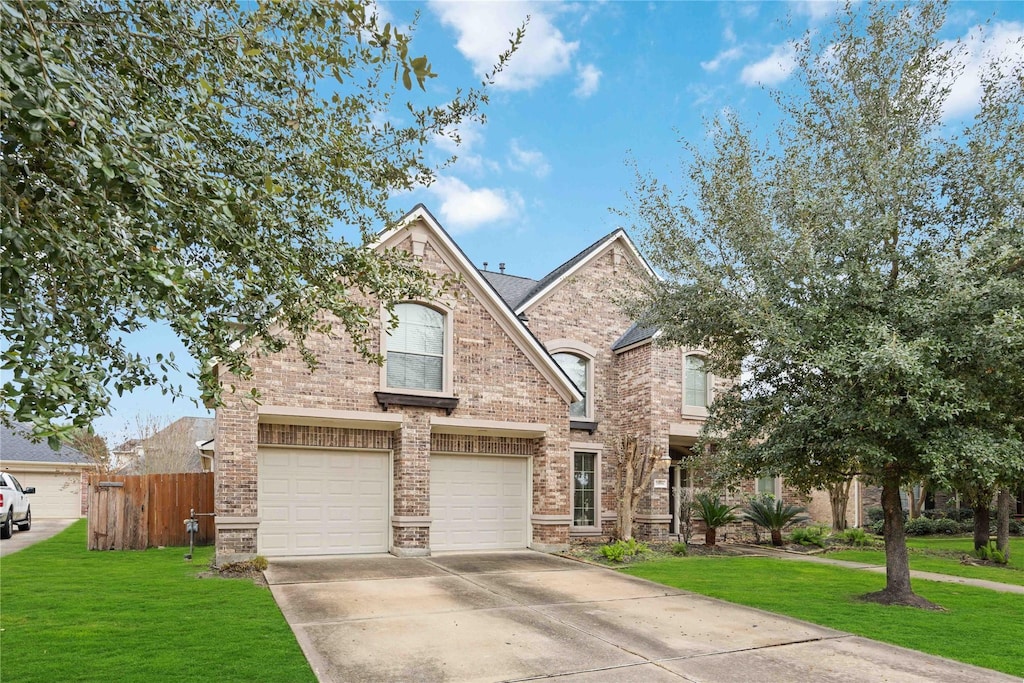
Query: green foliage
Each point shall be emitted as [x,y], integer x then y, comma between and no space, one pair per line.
[774,515]
[864,267]
[713,512]
[810,535]
[875,513]
[855,536]
[190,163]
[991,553]
[680,549]
[922,526]
[620,551]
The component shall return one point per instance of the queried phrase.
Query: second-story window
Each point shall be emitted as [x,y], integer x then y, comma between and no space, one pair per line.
[578,369]
[695,382]
[415,349]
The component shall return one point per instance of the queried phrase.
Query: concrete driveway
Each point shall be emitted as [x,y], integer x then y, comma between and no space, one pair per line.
[526,616]
[41,530]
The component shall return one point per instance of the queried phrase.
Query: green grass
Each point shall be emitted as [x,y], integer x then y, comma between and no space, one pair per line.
[69,614]
[941,554]
[981,627]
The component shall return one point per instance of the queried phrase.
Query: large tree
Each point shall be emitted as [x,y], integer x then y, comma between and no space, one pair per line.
[189,162]
[834,266]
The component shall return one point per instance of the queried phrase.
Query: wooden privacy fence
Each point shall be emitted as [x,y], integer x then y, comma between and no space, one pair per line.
[135,512]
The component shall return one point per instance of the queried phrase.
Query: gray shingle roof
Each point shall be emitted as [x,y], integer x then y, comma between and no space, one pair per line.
[634,335]
[511,288]
[15,445]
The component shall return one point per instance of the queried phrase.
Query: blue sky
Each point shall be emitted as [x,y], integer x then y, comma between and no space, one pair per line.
[594,84]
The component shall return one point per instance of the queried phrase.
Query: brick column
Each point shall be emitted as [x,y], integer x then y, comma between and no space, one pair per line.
[552,493]
[235,481]
[410,521]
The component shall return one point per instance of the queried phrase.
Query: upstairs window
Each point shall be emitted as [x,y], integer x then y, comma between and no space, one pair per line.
[695,382]
[578,369]
[415,358]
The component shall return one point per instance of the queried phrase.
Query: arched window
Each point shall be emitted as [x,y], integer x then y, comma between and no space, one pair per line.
[578,368]
[695,382]
[416,349]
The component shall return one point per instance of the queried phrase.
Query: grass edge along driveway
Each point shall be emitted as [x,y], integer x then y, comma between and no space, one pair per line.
[980,627]
[70,614]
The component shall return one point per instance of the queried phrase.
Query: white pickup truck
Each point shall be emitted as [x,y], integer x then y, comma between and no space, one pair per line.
[14,505]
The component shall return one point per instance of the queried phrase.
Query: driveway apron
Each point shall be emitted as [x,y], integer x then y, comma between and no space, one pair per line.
[518,616]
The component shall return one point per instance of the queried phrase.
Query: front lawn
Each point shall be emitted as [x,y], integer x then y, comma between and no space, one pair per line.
[980,626]
[74,615]
[941,554]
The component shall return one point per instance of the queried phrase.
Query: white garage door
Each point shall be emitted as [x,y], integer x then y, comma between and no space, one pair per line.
[478,502]
[321,502]
[56,496]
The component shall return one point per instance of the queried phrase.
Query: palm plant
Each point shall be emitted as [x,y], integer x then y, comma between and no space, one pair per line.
[714,513]
[774,515]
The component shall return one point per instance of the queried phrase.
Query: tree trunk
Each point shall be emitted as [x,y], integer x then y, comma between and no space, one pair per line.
[839,499]
[897,566]
[776,537]
[710,536]
[625,530]
[1003,523]
[981,524]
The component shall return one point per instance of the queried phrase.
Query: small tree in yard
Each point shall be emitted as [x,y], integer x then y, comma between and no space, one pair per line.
[775,516]
[864,271]
[714,513]
[635,460]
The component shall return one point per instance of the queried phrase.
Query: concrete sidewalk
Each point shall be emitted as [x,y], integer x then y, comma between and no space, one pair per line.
[880,569]
[523,616]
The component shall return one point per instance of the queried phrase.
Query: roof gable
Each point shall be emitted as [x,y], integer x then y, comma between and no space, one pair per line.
[483,290]
[559,275]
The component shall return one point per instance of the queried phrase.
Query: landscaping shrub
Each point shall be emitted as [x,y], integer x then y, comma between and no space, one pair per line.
[855,536]
[1017,527]
[680,549]
[876,527]
[714,513]
[875,513]
[922,526]
[620,550]
[810,535]
[991,553]
[946,526]
[774,515]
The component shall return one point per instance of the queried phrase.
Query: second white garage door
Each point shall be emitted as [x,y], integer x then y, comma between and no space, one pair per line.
[57,495]
[322,502]
[478,502]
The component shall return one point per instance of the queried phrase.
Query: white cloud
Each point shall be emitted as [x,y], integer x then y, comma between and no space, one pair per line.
[470,134]
[464,209]
[589,79]
[773,69]
[729,33]
[723,57]
[817,10]
[980,47]
[484,29]
[528,160]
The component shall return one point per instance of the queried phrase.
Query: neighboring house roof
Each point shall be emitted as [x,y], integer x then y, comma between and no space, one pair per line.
[636,334]
[487,294]
[16,446]
[564,271]
[512,288]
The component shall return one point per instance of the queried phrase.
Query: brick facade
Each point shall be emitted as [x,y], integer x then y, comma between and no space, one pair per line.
[491,375]
[636,390]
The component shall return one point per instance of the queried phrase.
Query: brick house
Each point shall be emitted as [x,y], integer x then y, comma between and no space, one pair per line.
[490,425]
